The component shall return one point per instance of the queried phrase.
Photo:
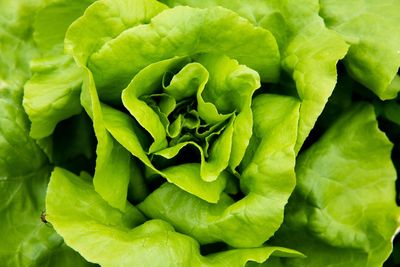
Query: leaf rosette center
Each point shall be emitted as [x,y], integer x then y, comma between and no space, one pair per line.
[201,106]
[170,92]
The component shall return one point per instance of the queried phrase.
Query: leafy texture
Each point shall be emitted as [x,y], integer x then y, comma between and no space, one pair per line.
[256,217]
[371,29]
[52,94]
[117,134]
[309,51]
[23,172]
[190,124]
[210,79]
[200,37]
[342,212]
[122,239]
[24,169]
[142,85]
[107,147]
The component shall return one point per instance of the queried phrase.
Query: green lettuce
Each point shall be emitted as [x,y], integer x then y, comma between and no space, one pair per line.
[24,168]
[214,127]
[344,215]
[309,50]
[374,55]
[122,239]
[199,133]
[52,93]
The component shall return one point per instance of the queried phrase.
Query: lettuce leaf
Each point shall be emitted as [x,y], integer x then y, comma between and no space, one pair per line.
[343,211]
[309,50]
[218,160]
[121,238]
[24,168]
[113,128]
[52,93]
[199,38]
[371,29]
[253,219]
[195,129]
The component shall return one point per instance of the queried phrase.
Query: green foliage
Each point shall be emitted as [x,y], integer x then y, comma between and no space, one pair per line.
[199,133]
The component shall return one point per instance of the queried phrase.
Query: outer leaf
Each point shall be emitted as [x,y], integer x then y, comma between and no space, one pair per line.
[109,237]
[167,36]
[371,27]
[17,149]
[125,14]
[108,179]
[52,22]
[267,180]
[52,94]
[320,253]
[15,41]
[345,196]
[26,241]
[104,21]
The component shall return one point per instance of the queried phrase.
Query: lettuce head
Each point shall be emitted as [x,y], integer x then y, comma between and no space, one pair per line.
[199,133]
